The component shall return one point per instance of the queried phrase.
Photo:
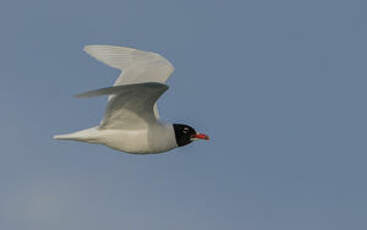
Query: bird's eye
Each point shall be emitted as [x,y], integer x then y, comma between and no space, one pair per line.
[185,130]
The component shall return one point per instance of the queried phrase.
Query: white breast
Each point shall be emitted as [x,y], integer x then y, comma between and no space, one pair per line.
[156,139]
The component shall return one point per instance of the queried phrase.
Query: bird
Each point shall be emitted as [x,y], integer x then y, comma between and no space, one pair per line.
[131,122]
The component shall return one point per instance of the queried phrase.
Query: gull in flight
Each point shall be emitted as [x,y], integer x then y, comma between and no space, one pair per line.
[131,121]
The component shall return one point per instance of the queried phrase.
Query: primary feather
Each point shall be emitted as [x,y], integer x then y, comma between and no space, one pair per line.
[137,66]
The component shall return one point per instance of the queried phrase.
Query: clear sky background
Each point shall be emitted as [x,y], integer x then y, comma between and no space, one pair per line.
[280,86]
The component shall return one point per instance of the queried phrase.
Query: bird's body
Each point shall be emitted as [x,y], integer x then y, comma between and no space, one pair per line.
[157,138]
[131,123]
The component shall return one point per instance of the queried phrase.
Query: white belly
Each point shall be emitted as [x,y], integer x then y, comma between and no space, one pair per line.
[156,139]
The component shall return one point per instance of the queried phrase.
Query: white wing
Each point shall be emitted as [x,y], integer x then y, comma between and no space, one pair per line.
[137,66]
[132,105]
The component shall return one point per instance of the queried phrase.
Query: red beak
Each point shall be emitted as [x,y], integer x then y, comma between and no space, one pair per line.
[201,136]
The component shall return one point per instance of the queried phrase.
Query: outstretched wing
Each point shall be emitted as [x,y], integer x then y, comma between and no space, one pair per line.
[137,66]
[131,107]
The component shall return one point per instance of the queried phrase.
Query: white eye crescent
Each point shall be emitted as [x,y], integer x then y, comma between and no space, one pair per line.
[185,130]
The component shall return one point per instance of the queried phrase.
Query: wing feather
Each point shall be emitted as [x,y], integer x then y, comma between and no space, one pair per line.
[137,66]
[131,107]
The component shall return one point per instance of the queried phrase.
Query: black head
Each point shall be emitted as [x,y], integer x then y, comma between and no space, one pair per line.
[186,134]
[183,134]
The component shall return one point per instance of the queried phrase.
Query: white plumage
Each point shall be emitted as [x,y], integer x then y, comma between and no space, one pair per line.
[131,121]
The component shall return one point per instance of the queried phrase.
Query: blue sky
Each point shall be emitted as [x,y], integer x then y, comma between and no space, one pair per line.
[280,86]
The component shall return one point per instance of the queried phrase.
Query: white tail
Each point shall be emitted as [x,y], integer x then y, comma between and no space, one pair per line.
[87,135]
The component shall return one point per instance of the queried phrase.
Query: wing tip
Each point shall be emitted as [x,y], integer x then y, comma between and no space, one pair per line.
[79,95]
[115,89]
[89,48]
[88,94]
[57,137]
